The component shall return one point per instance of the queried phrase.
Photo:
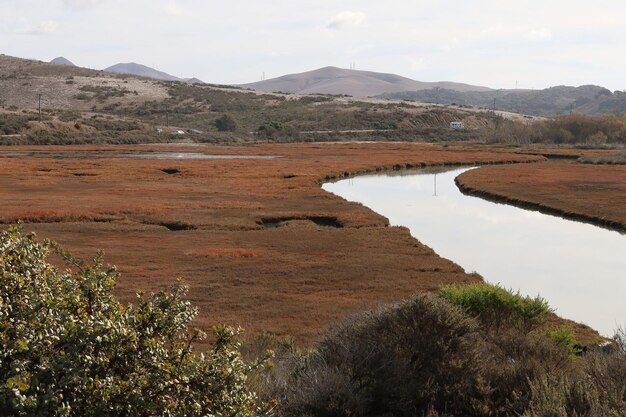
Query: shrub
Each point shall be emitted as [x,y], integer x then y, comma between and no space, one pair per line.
[277,130]
[407,359]
[226,123]
[496,306]
[68,347]
[428,357]
[563,336]
[47,137]
[11,124]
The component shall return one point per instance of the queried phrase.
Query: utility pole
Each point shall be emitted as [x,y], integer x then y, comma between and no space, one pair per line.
[494,104]
[39,107]
[167,116]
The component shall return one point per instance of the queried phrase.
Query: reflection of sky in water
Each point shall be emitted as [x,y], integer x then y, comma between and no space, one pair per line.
[578,268]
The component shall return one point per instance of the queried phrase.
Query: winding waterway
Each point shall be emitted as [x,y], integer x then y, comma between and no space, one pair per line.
[579,268]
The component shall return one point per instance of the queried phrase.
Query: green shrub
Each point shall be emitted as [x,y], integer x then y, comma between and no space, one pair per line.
[496,306]
[277,130]
[68,347]
[564,337]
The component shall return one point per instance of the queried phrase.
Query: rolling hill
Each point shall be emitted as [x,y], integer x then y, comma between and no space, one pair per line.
[333,80]
[62,61]
[587,99]
[140,70]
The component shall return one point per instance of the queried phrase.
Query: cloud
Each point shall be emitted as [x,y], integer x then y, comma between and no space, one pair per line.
[538,34]
[416,63]
[42,28]
[174,10]
[345,19]
[80,4]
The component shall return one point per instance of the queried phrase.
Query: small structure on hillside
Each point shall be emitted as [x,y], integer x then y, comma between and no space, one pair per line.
[457,125]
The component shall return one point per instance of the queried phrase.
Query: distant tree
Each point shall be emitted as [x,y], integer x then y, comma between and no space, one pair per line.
[277,130]
[226,123]
[68,347]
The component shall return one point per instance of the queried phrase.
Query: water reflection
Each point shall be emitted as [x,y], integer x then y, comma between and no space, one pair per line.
[578,268]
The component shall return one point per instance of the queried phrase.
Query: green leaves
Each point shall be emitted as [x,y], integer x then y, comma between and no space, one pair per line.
[18,382]
[69,347]
[495,305]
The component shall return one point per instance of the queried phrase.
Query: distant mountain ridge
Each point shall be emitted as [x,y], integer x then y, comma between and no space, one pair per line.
[588,99]
[140,70]
[333,80]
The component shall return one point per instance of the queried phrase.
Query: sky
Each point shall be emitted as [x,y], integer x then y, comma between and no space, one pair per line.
[499,44]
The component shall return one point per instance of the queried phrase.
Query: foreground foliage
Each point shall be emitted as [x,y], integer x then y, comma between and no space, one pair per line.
[68,347]
[451,355]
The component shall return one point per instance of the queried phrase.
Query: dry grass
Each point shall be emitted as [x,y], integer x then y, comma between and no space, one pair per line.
[290,280]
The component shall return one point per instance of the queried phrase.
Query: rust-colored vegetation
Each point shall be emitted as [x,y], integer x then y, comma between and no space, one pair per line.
[592,193]
[257,240]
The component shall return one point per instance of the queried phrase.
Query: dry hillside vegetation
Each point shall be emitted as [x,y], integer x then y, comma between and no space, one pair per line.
[64,87]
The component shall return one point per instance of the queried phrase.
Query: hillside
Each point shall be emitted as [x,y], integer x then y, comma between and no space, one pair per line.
[68,87]
[332,80]
[80,105]
[587,99]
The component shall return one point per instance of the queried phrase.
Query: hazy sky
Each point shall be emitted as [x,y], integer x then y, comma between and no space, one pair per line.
[484,42]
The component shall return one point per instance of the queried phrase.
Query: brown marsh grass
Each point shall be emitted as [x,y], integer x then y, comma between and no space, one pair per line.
[211,223]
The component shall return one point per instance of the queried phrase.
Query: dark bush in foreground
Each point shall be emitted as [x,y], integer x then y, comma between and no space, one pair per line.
[69,348]
[402,360]
[429,357]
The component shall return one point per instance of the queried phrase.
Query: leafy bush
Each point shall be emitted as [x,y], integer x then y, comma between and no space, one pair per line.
[68,347]
[226,123]
[277,130]
[564,337]
[496,306]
